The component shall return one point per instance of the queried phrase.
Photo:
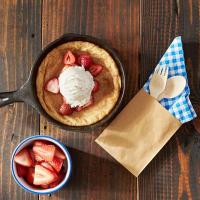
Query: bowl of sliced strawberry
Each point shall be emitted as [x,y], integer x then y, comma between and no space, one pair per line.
[41,165]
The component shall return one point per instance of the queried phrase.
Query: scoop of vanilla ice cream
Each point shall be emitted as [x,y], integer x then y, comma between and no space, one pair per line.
[76,85]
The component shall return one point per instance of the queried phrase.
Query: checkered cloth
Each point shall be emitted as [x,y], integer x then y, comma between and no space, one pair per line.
[180,106]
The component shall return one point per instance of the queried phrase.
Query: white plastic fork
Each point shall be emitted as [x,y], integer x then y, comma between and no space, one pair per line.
[158,81]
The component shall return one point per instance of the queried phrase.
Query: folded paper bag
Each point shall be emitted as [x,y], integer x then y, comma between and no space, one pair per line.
[139,132]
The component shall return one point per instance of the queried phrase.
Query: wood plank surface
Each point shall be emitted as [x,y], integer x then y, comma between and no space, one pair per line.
[20,41]
[175,172]
[140,30]
[96,175]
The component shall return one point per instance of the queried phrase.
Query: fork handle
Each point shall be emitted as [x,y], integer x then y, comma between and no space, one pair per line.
[161,96]
[153,94]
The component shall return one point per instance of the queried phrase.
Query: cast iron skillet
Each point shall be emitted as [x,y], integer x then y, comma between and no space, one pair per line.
[27,93]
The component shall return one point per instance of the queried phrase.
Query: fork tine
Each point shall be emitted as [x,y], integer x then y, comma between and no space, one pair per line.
[166,71]
[163,70]
[160,70]
[157,68]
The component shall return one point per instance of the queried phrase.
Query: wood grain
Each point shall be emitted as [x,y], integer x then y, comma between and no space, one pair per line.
[140,30]
[19,43]
[175,172]
[96,175]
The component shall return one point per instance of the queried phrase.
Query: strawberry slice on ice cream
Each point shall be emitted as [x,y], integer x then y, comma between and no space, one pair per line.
[69,58]
[96,86]
[65,109]
[85,60]
[52,86]
[95,70]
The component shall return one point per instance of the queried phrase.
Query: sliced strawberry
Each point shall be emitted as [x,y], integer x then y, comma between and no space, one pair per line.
[65,109]
[56,163]
[41,142]
[52,86]
[69,58]
[61,176]
[44,186]
[79,108]
[54,184]
[47,165]
[45,151]
[24,158]
[32,156]
[30,175]
[38,158]
[89,103]
[60,154]
[95,69]
[38,143]
[85,60]
[21,170]
[43,176]
[96,86]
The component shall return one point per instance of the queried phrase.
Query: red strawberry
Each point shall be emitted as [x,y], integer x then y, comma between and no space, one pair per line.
[69,58]
[41,142]
[89,103]
[38,158]
[56,163]
[21,170]
[65,109]
[95,69]
[32,156]
[45,151]
[60,154]
[43,176]
[79,108]
[47,165]
[61,176]
[96,86]
[24,158]
[85,60]
[38,143]
[54,184]
[44,186]
[52,86]
[30,175]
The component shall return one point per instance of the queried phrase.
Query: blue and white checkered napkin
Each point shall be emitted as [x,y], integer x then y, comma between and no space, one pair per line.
[180,106]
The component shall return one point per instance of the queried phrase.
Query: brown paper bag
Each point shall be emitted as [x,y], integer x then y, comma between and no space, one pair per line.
[139,132]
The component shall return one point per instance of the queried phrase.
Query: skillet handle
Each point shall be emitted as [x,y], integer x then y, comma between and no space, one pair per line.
[23,94]
[8,98]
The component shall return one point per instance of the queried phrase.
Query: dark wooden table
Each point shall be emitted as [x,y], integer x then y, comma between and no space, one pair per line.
[140,30]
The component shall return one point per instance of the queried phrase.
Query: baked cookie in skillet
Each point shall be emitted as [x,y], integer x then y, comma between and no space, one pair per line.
[99,81]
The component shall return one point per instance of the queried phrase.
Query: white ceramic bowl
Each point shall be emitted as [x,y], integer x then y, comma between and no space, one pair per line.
[22,183]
